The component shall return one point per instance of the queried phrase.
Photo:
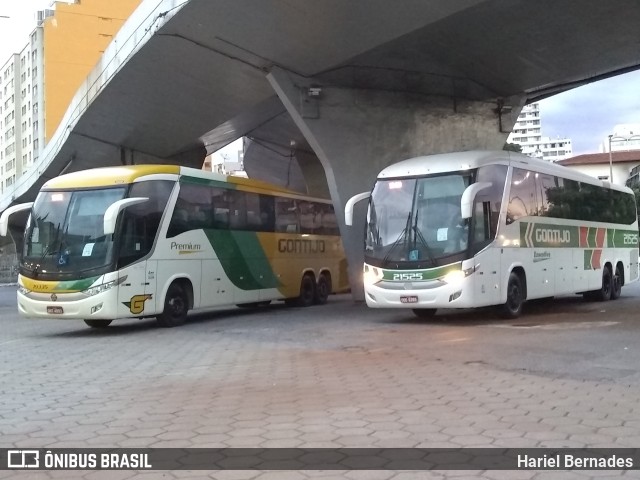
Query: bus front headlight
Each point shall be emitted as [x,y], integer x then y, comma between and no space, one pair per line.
[103,287]
[456,276]
[23,290]
[372,275]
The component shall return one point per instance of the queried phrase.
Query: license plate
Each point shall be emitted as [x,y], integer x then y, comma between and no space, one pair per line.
[55,310]
[409,299]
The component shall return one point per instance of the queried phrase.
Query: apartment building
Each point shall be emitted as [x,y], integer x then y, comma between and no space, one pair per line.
[527,132]
[37,84]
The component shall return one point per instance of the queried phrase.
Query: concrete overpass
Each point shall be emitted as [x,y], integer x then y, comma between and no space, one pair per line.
[332,91]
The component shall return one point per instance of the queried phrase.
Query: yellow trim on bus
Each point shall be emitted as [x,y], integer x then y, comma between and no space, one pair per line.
[108,176]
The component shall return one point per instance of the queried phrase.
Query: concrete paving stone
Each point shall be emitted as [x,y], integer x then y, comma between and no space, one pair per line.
[417,476]
[627,441]
[250,424]
[327,427]
[9,440]
[249,416]
[528,426]
[313,438]
[346,432]
[619,431]
[502,433]
[513,442]
[393,426]
[509,474]
[455,431]
[546,436]
[176,435]
[557,421]
[476,441]
[244,442]
[143,432]
[106,441]
[281,434]
[247,432]
[356,441]
[282,443]
[367,474]
[283,426]
[76,437]
[382,418]
[559,475]
[386,435]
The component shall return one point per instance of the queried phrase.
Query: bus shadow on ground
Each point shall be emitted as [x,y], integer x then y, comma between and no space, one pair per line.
[570,307]
[130,326]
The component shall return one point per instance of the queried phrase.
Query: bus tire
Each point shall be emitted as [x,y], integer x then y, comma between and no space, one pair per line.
[98,323]
[512,308]
[307,292]
[605,291]
[424,312]
[323,289]
[617,284]
[176,306]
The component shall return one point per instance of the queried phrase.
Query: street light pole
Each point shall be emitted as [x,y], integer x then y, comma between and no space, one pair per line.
[610,161]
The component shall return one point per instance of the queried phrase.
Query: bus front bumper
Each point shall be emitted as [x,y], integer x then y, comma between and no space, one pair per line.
[100,307]
[442,295]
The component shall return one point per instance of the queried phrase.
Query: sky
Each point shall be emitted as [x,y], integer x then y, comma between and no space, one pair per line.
[585,114]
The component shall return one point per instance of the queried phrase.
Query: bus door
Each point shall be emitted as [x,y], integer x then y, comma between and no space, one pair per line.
[140,223]
[487,262]
[136,293]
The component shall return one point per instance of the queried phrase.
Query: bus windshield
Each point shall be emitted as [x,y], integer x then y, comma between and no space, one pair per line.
[64,233]
[417,221]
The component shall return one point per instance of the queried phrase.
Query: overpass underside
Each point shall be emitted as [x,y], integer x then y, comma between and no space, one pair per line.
[330,92]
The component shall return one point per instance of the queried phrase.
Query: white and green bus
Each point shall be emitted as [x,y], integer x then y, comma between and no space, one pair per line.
[473,229]
[160,240]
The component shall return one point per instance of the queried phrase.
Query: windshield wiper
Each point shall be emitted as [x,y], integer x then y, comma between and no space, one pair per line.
[403,235]
[417,234]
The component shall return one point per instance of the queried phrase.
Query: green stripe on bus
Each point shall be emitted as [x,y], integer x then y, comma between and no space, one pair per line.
[544,235]
[208,182]
[243,259]
[417,275]
[76,285]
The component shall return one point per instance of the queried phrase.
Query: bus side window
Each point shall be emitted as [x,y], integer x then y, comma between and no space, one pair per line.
[286,218]
[140,222]
[523,201]
[487,205]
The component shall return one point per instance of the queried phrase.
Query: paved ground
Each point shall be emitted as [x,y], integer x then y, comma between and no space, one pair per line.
[340,375]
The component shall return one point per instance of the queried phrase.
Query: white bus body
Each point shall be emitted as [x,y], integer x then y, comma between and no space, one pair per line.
[473,229]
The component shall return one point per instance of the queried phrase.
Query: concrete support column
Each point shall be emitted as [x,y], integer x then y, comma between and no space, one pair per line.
[356,133]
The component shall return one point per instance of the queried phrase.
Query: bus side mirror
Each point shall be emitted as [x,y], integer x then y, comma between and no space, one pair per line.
[4,218]
[111,214]
[469,195]
[348,208]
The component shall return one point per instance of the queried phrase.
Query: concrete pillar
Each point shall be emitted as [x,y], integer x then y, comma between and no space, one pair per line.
[356,133]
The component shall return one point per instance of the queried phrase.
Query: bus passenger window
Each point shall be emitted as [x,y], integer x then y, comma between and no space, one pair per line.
[522,198]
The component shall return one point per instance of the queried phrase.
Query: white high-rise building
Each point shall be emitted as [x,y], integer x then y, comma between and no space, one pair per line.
[21,118]
[527,132]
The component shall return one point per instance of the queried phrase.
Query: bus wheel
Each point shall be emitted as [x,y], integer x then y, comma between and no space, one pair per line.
[323,289]
[176,306]
[515,297]
[605,292]
[424,312]
[307,291]
[617,284]
[98,323]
